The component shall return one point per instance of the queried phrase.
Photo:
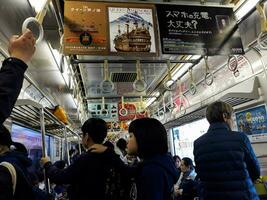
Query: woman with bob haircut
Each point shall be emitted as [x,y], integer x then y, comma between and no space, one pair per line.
[156,174]
[225,161]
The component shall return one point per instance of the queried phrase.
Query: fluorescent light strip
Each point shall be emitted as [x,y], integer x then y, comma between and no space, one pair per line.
[245,8]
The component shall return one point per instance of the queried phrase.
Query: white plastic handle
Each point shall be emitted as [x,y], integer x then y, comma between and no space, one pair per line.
[33,20]
[259,41]
[107,86]
[139,85]
[123,112]
[235,64]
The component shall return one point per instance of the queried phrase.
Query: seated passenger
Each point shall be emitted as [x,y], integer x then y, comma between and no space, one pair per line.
[225,161]
[185,189]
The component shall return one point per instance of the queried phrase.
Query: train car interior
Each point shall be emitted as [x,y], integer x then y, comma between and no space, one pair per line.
[125,60]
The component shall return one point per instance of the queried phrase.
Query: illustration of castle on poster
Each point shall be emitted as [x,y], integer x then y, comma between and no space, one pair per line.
[132,30]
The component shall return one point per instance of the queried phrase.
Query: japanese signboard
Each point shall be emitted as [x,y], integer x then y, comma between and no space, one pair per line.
[252,121]
[197,30]
[132,29]
[85,29]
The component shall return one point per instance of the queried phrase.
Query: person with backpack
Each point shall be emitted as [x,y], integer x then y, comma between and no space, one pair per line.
[13,182]
[87,175]
[156,174]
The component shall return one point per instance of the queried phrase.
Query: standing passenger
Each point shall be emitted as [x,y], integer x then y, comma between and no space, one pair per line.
[21,49]
[157,173]
[87,175]
[225,161]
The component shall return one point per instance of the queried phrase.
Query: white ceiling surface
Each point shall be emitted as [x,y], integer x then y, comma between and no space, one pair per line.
[44,70]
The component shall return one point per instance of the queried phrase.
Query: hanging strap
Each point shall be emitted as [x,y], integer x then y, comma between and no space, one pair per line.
[12,172]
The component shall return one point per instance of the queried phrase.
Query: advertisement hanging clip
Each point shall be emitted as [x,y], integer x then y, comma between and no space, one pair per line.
[261,9]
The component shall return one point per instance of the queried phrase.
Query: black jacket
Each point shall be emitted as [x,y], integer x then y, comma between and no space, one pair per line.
[226,164]
[23,186]
[11,79]
[86,176]
[156,178]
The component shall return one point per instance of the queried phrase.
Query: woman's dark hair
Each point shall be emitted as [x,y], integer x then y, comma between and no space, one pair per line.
[188,162]
[217,110]
[151,137]
[96,128]
[176,157]
[5,137]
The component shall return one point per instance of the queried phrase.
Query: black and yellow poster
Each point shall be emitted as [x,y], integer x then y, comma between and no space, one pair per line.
[85,28]
[200,30]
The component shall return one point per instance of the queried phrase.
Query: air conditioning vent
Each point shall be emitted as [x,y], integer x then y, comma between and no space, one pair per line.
[234,101]
[123,77]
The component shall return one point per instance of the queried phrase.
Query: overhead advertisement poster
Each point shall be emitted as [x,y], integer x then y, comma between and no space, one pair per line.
[252,121]
[85,28]
[97,28]
[198,30]
[132,29]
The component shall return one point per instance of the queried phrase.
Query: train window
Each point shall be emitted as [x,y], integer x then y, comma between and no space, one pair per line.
[185,135]
[32,140]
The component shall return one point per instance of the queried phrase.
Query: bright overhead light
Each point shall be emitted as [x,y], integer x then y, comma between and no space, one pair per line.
[244,8]
[180,71]
[37,4]
[150,101]
[157,94]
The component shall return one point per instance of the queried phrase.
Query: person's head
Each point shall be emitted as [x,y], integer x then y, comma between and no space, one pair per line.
[19,147]
[122,144]
[177,161]
[148,138]
[220,112]
[94,131]
[60,164]
[186,164]
[5,139]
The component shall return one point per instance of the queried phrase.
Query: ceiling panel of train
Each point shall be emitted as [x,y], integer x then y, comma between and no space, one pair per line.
[45,71]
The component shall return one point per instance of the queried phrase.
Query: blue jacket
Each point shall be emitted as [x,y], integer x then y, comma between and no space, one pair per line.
[226,164]
[156,178]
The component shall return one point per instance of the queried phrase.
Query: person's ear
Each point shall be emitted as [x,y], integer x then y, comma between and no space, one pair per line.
[225,117]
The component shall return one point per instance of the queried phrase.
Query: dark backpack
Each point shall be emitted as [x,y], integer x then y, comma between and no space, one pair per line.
[119,187]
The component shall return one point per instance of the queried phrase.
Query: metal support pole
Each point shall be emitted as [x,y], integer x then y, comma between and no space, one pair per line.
[42,125]
[61,149]
[66,147]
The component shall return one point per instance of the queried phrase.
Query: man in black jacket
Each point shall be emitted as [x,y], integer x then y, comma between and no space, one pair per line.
[87,175]
[21,49]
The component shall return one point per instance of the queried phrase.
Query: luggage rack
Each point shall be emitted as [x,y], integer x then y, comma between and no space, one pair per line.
[33,115]
[28,113]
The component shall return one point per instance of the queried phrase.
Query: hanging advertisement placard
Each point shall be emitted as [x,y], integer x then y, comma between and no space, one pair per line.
[85,28]
[132,29]
[199,30]
[252,121]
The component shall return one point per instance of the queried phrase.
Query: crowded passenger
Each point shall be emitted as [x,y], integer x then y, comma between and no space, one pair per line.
[86,175]
[225,161]
[177,161]
[156,174]
[120,149]
[185,188]
[13,182]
